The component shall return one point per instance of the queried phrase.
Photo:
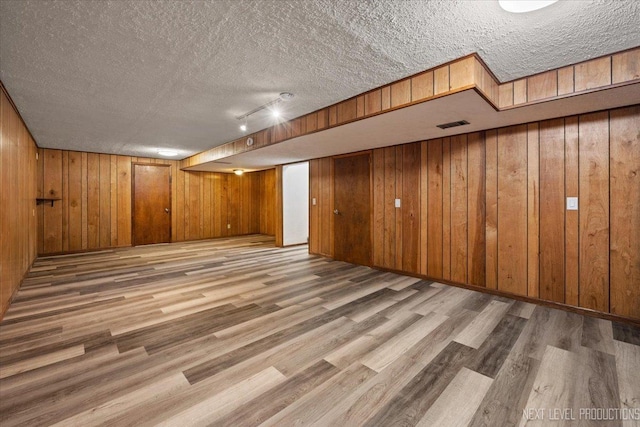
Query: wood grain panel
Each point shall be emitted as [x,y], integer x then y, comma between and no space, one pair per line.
[441,80]
[105,201]
[410,207]
[533,210]
[75,200]
[389,228]
[373,102]
[592,74]
[93,202]
[594,210]
[385,95]
[268,201]
[552,209]
[446,208]
[542,86]
[85,193]
[520,92]
[378,170]
[571,230]
[459,209]
[434,218]
[360,106]
[398,212]
[565,80]
[625,66]
[114,199]
[512,209]
[326,206]
[476,199]
[312,122]
[491,224]
[53,188]
[347,111]
[505,96]
[424,207]
[124,200]
[625,212]
[314,214]
[462,73]
[401,93]
[422,86]
[65,196]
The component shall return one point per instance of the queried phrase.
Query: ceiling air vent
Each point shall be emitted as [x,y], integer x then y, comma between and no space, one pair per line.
[453,124]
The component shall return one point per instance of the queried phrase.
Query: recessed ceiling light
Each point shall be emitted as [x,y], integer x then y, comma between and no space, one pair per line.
[286,96]
[275,113]
[168,153]
[521,6]
[238,171]
[243,128]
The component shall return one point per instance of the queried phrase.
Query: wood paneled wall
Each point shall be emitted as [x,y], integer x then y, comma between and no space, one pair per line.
[95,210]
[488,209]
[17,200]
[583,77]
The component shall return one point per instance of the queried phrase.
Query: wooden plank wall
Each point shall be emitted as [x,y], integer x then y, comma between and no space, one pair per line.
[582,77]
[488,209]
[17,201]
[95,210]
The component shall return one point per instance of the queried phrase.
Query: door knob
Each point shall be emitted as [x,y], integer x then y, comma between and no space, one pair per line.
[336,211]
[166,210]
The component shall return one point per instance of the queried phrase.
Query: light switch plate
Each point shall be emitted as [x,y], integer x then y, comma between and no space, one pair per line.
[313,201]
[397,203]
[572,203]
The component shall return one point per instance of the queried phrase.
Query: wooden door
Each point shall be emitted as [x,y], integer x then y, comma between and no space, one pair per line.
[352,208]
[151,217]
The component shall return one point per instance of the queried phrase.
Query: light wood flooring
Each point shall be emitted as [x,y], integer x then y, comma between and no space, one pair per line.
[235,332]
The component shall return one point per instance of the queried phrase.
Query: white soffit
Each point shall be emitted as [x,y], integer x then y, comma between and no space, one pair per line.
[131,77]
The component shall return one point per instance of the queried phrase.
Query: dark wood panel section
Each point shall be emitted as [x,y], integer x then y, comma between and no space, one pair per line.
[533,209]
[571,231]
[625,212]
[476,199]
[459,209]
[552,209]
[594,211]
[434,215]
[512,210]
[352,204]
[410,207]
[491,223]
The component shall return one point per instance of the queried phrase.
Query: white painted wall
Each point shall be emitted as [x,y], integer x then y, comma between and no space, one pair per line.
[295,203]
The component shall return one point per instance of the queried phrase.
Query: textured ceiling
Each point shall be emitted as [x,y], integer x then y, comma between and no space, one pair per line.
[130,77]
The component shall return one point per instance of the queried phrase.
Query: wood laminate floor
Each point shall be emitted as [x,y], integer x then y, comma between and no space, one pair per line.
[235,332]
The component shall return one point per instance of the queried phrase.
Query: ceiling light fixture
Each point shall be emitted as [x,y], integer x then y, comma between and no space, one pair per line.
[168,153]
[243,128]
[522,6]
[275,113]
[238,171]
[283,97]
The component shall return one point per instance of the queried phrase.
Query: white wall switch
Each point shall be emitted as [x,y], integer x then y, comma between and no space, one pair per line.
[313,201]
[572,203]
[397,203]
[228,226]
